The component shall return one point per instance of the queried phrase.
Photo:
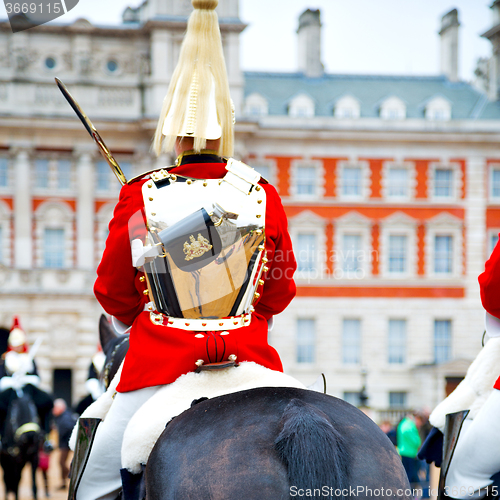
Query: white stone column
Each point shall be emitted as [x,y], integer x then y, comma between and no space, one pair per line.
[23,241]
[85,209]
[162,67]
[475,221]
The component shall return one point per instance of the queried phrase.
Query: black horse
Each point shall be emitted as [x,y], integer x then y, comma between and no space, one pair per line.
[269,443]
[21,440]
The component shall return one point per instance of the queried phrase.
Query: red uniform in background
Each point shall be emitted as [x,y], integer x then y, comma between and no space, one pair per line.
[160,354]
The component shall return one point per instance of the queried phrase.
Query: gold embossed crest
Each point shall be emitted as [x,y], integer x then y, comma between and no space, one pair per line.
[197,247]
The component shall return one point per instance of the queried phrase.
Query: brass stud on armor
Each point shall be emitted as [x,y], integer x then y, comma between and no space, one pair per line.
[257,188]
[205,184]
[189,182]
[150,199]
[145,292]
[173,177]
[265,269]
[265,260]
[261,282]
[199,362]
[259,201]
[261,248]
[153,213]
[150,308]
[232,357]
[235,322]
[221,324]
[258,216]
[256,295]
[203,324]
[142,279]
[150,184]
[187,324]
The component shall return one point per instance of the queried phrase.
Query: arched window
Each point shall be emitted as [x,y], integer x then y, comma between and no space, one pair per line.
[54,235]
[256,105]
[393,108]
[347,107]
[301,106]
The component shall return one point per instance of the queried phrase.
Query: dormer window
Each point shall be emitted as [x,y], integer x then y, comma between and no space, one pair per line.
[438,109]
[393,108]
[347,107]
[301,106]
[256,105]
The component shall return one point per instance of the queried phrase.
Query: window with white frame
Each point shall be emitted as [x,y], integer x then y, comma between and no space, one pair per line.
[306,341]
[301,106]
[305,180]
[397,399]
[126,167]
[347,107]
[265,170]
[256,105]
[396,342]
[397,182]
[102,177]
[495,183]
[4,172]
[305,252]
[443,254]
[393,108]
[64,174]
[493,240]
[352,181]
[442,340]
[352,397]
[53,248]
[443,183]
[352,253]
[351,341]
[438,109]
[397,254]
[41,173]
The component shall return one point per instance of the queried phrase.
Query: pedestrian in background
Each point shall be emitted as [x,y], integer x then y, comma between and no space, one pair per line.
[65,421]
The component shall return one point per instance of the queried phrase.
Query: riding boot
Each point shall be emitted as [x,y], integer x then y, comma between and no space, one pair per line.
[87,428]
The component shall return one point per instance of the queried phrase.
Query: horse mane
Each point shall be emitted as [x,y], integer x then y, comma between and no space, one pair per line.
[308,438]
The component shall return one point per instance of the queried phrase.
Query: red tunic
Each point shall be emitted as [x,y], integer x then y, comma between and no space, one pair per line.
[160,354]
[489,283]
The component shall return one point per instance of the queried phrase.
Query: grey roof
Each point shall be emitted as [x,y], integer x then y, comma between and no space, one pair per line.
[370,90]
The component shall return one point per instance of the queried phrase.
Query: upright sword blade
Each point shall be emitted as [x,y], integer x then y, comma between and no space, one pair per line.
[93,133]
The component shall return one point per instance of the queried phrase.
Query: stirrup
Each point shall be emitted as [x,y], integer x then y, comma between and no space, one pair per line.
[87,428]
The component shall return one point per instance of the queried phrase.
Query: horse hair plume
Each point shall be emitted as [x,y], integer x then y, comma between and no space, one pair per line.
[307,437]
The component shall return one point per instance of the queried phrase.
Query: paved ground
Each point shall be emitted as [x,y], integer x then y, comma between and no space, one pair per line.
[54,477]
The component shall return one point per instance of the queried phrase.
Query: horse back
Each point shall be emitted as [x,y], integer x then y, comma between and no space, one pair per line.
[232,447]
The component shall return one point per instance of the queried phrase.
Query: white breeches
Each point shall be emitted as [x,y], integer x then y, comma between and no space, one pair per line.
[101,479]
[477,454]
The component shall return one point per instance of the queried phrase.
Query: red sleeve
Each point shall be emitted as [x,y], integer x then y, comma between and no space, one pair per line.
[279,286]
[117,286]
[489,283]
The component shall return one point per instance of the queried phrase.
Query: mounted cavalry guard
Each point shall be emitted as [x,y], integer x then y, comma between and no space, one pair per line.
[469,416]
[18,376]
[198,259]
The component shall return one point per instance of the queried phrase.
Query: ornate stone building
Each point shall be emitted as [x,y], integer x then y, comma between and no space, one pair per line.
[391,185]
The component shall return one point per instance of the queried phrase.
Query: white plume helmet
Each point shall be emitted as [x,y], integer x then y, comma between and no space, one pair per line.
[17,338]
[198,103]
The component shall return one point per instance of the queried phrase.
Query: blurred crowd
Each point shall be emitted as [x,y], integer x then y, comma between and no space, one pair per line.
[407,436]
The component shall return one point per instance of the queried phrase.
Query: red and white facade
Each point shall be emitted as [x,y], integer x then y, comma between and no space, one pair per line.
[392,216]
